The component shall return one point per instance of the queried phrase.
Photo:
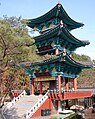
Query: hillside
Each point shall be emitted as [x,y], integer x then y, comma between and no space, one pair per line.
[87,78]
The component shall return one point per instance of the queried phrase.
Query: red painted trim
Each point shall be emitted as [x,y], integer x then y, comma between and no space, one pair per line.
[46,105]
[59,82]
[16,94]
[77,94]
[32,86]
[56,106]
[75,83]
[41,88]
[70,95]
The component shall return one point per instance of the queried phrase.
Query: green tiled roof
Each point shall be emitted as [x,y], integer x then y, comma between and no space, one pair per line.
[63,65]
[61,38]
[54,16]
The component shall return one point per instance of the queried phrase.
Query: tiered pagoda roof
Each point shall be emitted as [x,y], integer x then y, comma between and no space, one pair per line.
[54,16]
[59,37]
[56,34]
[62,64]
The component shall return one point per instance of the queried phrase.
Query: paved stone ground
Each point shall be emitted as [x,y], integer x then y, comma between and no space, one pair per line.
[48,117]
[42,117]
[89,114]
[1,117]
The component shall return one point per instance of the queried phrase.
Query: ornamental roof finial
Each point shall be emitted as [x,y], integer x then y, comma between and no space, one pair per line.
[59,5]
[58,1]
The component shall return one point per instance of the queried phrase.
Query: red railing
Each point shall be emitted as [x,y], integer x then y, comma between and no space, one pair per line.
[63,95]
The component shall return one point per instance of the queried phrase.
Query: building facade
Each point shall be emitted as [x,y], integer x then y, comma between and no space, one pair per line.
[60,71]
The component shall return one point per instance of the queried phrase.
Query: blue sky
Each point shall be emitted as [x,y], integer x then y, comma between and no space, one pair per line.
[79,10]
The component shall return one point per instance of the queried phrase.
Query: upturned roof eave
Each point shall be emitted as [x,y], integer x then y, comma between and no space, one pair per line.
[82,65]
[74,40]
[42,18]
[53,14]
[61,58]
[55,31]
[69,20]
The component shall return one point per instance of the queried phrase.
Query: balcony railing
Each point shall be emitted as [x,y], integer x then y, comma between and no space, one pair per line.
[30,112]
[70,94]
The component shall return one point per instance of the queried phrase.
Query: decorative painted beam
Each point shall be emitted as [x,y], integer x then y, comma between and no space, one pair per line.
[64,74]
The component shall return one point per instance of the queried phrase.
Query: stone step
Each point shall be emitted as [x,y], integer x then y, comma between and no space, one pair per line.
[26,103]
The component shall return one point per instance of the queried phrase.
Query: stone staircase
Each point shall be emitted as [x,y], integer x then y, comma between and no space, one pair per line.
[21,107]
[25,104]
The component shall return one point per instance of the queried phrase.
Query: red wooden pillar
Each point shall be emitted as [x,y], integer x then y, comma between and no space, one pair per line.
[75,83]
[56,106]
[59,82]
[32,86]
[67,106]
[40,87]
[66,84]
